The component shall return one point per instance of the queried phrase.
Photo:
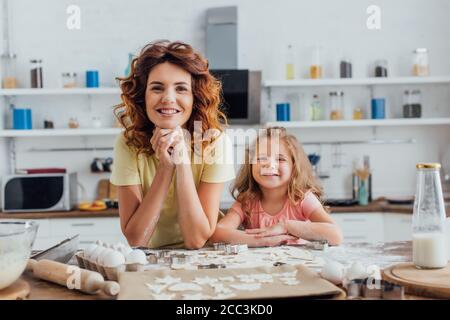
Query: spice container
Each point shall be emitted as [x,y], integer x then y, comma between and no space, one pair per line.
[412,108]
[36,74]
[420,62]
[429,236]
[337,105]
[381,68]
[9,79]
[69,79]
[315,70]
[290,66]
[357,114]
[346,68]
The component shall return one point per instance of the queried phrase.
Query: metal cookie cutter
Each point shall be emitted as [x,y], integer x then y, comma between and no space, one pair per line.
[370,288]
[235,248]
[219,246]
[181,258]
[211,266]
[152,258]
[318,245]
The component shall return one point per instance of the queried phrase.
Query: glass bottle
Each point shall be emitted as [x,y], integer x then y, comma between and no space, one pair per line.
[420,62]
[315,70]
[412,107]
[345,68]
[36,74]
[9,79]
[316,109]
[357,114]
[290,66]
[429,236]
[337,105]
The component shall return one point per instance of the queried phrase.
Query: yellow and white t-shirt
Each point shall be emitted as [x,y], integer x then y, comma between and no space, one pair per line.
[132,169]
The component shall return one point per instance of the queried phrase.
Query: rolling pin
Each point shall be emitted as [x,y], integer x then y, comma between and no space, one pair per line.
[66,275]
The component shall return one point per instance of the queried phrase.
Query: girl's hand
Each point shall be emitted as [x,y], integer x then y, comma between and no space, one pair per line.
[273,241]
[181,152]
[279,229]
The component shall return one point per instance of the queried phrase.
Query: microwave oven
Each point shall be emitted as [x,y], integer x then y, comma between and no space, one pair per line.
[39,192]
[241,95]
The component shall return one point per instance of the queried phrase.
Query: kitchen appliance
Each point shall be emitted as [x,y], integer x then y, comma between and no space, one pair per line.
[39,192]
[241,95]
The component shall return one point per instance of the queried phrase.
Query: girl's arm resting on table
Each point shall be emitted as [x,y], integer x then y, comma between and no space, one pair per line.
[198,209]
[320,227]
[139,215]
[227,231]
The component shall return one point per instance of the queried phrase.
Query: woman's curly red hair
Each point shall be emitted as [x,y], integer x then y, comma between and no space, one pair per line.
[207,92]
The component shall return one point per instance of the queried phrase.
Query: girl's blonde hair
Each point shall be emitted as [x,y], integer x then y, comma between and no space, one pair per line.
[245,188]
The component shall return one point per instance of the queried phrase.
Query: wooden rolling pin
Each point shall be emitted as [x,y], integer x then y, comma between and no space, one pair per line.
[66,275]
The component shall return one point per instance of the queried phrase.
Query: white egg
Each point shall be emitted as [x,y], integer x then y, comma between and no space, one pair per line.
[88,251]
[125,250]
[102,255]
[136,256]
[333,271]
[113,259]
[94,255]
[356,271]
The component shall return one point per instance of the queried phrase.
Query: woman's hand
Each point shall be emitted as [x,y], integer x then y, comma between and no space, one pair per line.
[278,229]
[162,142]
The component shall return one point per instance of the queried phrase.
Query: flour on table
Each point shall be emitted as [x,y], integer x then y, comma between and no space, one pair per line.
[156,288]
[163,296]
[204,280]
[167,280]
[228,279]
[195,296]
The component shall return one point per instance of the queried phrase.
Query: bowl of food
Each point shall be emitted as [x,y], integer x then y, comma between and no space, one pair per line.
[16,241]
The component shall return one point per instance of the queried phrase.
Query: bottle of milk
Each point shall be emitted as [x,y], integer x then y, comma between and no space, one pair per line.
[429,237]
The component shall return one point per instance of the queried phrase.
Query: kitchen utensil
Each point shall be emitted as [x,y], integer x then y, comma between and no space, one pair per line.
[72,277]
[62,252]
[374,289]
[433,283]
[19,290]
[16,241]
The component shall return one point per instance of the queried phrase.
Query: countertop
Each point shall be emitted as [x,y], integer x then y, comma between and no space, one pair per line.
[379,205]
[382,254]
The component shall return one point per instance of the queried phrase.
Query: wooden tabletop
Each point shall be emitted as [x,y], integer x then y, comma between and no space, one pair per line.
[42,290]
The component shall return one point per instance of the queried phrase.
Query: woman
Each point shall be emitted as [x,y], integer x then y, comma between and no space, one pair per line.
[166,198]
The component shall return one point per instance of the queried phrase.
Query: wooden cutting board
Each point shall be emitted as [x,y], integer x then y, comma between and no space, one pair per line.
[433,283]
[133,284]
[19,290]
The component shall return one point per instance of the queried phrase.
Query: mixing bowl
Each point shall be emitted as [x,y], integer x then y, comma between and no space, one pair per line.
[16,241]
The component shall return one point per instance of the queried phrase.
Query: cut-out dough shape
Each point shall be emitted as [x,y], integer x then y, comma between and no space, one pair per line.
[246,286]
[156,288]
[204,280]
[228,278]
[167,280]
[185,286]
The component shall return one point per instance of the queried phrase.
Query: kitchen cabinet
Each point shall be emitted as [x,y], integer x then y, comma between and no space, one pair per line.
[52,231]
[374,226]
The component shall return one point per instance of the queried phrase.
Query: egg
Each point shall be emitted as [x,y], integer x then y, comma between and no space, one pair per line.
[356,271]
[118,245]
[88,251]
[136,256]
[333,271]
[113,259]
[94,255]
[125,250]
[102,255]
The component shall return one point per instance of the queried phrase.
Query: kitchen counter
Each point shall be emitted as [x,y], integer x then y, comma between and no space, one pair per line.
[382,254]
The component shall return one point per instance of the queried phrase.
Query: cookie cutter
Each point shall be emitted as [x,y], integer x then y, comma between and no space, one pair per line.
[219,246]
[371,288]
[212,266]
[317,245]
[235,248]
[180,258]
[152,258]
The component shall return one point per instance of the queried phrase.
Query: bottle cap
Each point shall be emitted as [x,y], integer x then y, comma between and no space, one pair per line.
[428,165]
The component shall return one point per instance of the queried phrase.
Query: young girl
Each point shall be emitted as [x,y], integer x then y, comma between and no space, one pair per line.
[277,198]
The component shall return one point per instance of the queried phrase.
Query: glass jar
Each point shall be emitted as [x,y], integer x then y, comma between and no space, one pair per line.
[69,79]
[429,236]
[412,107]
[9,78]
[381,68]
[358,114]
[315,70]
[420,62]
[290,65]
[36,74]
[337,105]
[316,111]
[345,68]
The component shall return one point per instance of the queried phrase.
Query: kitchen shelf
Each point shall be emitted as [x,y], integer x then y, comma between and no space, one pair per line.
[356,81]
[60,91]
[360,123]
[59,132]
